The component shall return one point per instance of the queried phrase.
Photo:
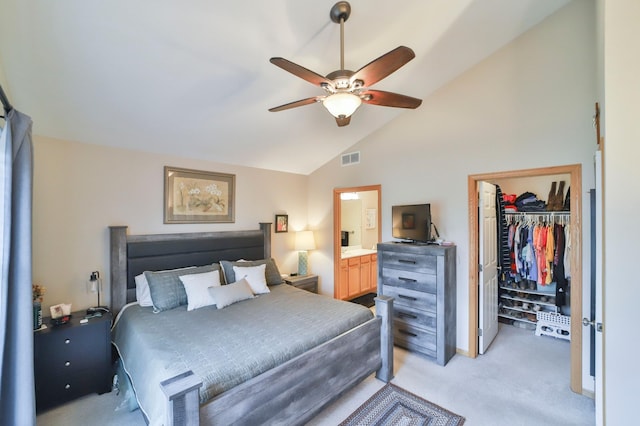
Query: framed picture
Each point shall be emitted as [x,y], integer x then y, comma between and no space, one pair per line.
[196,196]
[371,219]
[282,223]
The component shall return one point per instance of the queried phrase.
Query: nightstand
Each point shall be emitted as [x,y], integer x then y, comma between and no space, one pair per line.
[305,282]
[72,360]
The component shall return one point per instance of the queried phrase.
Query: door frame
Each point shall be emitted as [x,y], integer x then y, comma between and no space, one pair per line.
[337,214]
[575,172]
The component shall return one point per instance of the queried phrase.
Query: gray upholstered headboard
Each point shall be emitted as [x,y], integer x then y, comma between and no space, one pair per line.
[133,254]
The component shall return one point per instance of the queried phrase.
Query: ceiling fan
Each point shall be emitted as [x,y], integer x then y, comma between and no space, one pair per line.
[345,89]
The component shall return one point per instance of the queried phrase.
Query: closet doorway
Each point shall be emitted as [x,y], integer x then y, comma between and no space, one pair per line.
[575,173]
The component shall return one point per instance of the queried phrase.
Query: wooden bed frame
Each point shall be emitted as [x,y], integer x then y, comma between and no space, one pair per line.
[292,393]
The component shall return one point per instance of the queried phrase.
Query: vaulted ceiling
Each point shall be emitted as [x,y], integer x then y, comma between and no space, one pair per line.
[192,78]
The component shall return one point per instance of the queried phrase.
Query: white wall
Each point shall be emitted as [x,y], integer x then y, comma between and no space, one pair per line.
[621,205]
[81,189]
[529,105]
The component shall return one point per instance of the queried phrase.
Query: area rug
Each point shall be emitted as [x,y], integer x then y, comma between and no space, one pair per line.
[392,405]
[365,300]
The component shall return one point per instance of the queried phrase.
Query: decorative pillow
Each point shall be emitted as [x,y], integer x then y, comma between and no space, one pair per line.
[197,288]
[272,274]
[143,296]
[254,276]
[229,294]
[167,291]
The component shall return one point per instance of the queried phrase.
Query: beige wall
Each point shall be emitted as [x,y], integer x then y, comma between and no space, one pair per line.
[621,205]
[529,105]
[81,189]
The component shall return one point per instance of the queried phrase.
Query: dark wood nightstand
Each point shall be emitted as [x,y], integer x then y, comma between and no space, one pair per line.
[72,360]
[306,282]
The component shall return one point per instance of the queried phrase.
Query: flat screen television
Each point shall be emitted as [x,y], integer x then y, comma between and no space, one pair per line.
[412,222]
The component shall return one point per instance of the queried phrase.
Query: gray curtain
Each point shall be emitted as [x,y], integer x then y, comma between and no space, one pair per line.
[17,395]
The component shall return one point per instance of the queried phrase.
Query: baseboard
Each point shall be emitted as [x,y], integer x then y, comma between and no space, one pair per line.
[464,353]
[588,393]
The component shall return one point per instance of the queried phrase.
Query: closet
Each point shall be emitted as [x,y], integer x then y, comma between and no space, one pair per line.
[533,251]
[534,281]
[537,181]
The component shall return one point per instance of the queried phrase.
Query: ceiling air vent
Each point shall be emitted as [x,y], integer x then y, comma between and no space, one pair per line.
[351,158]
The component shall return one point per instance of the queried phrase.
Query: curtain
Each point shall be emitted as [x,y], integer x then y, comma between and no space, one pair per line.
[17,394]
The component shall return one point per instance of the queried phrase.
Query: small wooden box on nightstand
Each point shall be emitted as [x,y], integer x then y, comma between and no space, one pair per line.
[305,282]
[72,360]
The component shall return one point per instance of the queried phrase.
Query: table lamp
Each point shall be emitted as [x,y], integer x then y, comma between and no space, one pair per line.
[304,242]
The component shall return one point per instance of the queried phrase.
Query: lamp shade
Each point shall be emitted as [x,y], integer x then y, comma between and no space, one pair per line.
[342,104]
[305,241]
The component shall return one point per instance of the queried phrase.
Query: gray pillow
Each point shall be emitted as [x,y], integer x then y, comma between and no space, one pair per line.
[167,291]
[271,272]
[229,294]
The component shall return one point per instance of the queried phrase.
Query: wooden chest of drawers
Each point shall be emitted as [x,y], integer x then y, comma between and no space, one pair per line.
[72,360]
[422,280]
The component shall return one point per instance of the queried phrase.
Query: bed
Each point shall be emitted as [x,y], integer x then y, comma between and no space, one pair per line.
[299,379]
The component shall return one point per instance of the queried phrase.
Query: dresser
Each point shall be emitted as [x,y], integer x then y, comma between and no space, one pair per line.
[422,280]
[72,360]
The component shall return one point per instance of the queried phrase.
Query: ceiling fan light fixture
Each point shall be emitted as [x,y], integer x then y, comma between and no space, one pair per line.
[342,104]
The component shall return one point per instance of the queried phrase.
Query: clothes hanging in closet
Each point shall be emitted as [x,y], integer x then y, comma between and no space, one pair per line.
[538,247]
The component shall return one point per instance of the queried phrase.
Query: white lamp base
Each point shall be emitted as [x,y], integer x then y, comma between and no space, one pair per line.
[303,262]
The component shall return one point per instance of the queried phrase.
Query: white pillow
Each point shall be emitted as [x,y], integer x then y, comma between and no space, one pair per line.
[255,277]
[229,294]
[143,294]
[197,288]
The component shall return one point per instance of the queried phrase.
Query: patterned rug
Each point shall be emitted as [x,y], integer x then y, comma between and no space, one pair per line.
[392,405]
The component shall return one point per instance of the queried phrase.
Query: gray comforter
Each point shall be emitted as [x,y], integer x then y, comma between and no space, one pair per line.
[228,346]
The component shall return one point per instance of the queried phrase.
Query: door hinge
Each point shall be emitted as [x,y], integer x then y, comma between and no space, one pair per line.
[479,267]
[479,332]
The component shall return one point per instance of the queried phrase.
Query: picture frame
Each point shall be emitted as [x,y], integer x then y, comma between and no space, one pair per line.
[198,196]
[282,223]
[371,218]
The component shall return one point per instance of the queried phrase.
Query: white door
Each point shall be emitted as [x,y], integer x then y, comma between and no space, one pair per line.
[488,259]
[598,388]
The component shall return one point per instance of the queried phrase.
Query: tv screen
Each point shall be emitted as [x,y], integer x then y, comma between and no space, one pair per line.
[412,222]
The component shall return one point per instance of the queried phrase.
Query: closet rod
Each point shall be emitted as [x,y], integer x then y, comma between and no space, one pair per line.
[5,100]
[564,213]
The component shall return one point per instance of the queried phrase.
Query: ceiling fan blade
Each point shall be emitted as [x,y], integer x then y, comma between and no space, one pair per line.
[299,103]
[382,98]
[343,121]
[383,66]
[300,71]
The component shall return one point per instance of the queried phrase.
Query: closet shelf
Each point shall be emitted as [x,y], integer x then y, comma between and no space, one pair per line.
[535,292]
[516,319]
[519,309]
[522,299]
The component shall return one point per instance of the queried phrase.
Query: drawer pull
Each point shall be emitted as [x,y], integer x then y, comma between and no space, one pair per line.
[413,262]
[408,333]
[66,364]
[67,341]
[407,279]
[67,386]
[402,296]
[406,315]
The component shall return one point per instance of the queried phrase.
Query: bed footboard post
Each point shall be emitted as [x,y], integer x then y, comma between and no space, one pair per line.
[384,310]
[183,401]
